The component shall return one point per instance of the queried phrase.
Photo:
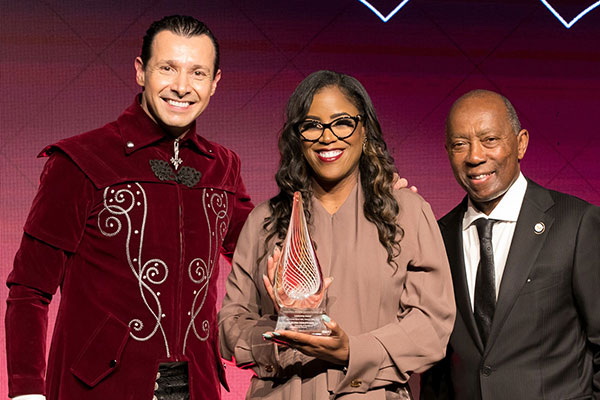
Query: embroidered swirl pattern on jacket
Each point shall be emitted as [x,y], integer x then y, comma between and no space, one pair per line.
[216,207]
[117,213]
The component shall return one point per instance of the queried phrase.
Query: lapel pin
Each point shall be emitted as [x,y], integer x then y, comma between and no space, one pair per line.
[539,228]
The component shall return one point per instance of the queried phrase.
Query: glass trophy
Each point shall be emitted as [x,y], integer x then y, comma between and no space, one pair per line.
[298,286]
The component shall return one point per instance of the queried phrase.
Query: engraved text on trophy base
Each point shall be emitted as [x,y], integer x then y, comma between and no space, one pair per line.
[308,320]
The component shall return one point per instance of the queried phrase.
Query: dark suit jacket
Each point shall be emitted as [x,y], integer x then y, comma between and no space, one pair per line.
[545,336]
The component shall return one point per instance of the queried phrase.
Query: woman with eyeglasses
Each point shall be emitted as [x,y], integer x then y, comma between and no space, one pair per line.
[390,308]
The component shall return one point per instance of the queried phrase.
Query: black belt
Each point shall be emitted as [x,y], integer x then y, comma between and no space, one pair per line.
[172,382]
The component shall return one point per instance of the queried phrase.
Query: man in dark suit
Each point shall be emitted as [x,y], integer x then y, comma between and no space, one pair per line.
[525,263]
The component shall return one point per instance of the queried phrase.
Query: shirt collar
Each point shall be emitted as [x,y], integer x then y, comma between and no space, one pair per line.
[138,130]
[507,209]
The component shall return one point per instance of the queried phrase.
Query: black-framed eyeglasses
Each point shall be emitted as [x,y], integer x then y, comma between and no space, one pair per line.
[342,127]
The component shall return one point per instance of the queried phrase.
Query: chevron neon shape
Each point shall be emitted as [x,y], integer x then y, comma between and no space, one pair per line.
[379,14]
[574,20]
[386,18]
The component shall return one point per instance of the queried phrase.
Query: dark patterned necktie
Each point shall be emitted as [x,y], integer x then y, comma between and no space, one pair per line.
[485,281]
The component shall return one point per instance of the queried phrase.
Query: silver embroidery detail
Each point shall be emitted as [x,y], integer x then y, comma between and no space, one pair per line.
[118,203]
[216,207]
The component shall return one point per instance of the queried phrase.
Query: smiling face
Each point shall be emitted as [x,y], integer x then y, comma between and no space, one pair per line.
[333,161]
[177,80]
[483,149]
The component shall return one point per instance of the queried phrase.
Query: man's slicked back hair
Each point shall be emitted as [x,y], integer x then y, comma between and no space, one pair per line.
[181,25]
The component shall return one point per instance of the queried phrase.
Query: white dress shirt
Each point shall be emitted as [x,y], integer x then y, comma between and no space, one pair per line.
[506,212]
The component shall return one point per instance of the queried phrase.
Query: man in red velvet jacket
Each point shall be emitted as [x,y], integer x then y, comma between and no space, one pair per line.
[129,221]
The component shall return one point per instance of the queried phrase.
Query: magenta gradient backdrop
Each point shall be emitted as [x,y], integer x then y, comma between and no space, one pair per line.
[66,67]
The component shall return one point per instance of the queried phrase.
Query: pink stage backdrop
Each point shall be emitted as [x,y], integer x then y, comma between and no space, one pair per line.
[66,66]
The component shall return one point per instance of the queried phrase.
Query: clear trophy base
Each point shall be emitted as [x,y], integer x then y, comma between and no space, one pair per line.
[305,320]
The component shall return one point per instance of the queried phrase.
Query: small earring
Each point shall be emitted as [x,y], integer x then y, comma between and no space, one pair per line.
[364,146]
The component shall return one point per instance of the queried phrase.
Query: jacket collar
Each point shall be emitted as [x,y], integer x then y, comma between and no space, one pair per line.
[138,130]
[451,228]
[524,250]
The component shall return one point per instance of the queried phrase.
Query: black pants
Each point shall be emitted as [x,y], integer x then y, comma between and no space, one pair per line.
[172,382]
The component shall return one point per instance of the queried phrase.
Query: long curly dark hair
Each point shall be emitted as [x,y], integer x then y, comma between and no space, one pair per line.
[376,166]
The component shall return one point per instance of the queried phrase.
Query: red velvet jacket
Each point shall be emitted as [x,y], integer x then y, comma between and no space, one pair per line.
[134,246]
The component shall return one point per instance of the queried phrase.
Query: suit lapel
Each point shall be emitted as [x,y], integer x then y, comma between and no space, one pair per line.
[451,228]
[524,250]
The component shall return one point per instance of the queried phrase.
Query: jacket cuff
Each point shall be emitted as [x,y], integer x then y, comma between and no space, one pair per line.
[272,359]
[366,356]
[19,386]
[263,353]
[259,354]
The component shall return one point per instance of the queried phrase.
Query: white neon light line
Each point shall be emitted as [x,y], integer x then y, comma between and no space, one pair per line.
[380,15]
[567,25]
[574,20]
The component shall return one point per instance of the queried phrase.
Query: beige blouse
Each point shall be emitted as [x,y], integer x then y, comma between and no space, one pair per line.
[398,321]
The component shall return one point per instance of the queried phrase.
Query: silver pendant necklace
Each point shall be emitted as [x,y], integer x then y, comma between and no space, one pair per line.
[175,160]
